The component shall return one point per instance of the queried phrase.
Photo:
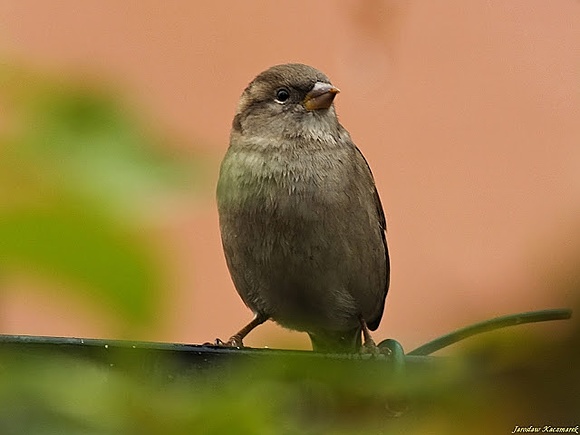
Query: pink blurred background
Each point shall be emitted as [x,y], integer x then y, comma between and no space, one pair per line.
[468,113]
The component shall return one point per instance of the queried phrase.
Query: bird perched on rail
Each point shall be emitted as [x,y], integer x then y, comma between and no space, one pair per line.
[302,225]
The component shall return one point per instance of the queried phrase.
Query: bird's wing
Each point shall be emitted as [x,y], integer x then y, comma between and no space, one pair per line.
[374,323]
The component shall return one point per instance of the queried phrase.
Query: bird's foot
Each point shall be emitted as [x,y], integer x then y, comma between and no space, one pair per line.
[370,348]
[234,341]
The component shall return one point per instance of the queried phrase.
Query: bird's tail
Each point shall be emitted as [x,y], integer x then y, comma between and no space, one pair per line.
[336,341]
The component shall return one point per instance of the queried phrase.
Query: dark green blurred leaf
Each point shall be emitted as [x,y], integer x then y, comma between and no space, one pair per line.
[488,390]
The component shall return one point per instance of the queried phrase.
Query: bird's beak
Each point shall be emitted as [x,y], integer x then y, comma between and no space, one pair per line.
[320,97]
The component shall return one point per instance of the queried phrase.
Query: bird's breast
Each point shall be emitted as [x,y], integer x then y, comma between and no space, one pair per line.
[271,177]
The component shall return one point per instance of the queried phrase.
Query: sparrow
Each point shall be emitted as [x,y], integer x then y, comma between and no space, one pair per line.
[302,225]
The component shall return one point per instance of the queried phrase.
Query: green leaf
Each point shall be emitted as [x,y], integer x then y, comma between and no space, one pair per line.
[93,142]
[69,245]
[79,172]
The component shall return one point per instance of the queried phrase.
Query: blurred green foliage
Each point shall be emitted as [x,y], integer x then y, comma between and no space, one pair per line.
[504,381]
[78,171]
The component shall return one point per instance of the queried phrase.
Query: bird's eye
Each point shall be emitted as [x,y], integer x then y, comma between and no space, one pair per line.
[282,95]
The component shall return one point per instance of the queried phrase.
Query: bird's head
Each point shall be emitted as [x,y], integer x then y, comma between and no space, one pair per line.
[288,101]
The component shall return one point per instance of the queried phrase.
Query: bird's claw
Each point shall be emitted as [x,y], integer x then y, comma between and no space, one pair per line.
[234,341]
[370,348]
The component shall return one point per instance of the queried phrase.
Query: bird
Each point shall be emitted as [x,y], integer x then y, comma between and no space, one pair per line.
[302,225]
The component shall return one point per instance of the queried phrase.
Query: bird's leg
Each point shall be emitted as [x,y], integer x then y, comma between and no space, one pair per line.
[369,345]
[236,340]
